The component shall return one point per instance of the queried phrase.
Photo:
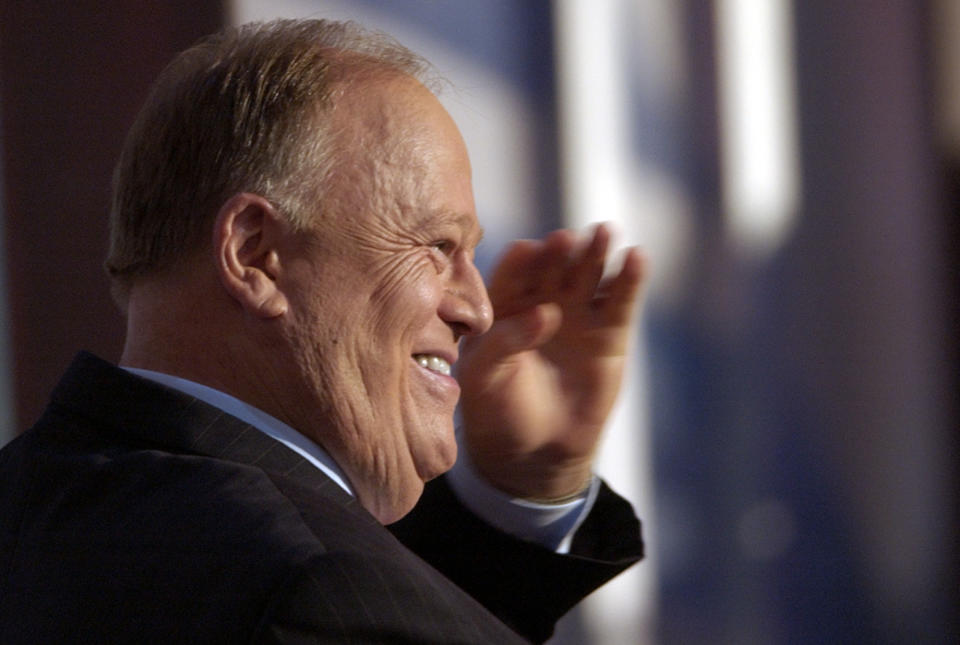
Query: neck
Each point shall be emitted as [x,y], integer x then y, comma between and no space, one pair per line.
[194,331]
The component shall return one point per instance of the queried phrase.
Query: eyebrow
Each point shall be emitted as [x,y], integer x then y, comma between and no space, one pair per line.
[470,223]
[478,237]
[465,221]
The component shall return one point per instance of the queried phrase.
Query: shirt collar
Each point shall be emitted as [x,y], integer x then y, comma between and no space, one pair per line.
[257,418]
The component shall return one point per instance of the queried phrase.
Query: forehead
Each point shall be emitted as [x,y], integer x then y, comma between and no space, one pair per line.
[401,150]
[389,110]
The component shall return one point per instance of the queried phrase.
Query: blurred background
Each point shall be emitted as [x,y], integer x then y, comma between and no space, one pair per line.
[789,433]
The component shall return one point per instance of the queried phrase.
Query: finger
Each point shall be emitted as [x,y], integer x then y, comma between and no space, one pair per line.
[513,270]
[532,273]
[623,290]
[515,334]
[550,268]
[584,274]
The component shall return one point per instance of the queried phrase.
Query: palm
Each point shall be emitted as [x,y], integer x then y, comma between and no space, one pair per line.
[538,388]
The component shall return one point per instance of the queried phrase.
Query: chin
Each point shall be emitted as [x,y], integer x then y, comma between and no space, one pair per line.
[433,455]
[401,504]
[442,458]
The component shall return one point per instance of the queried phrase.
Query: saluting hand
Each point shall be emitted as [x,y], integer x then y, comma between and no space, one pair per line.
[538,387]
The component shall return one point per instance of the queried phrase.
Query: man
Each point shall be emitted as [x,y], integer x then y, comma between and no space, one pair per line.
[292,241]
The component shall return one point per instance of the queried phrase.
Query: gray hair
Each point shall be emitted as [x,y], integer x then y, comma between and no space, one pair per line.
[242,110]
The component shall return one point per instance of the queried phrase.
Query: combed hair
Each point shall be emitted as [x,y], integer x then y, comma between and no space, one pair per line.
[243,110]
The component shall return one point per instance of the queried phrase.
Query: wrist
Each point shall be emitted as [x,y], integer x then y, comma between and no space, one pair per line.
[541,483]
[550,523]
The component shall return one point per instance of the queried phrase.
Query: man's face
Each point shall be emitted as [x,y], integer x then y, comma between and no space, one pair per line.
[383,288]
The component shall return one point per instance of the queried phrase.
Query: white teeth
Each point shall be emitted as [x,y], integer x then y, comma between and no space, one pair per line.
[433,363]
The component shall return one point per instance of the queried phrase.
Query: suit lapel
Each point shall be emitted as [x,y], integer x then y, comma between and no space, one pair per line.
[138,411]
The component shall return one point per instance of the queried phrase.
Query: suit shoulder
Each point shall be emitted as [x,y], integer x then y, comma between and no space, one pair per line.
[341,596]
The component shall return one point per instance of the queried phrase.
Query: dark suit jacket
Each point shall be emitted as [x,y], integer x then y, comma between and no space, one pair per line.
[133,513]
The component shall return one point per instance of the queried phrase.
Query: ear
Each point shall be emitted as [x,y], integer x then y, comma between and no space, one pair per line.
[246,238]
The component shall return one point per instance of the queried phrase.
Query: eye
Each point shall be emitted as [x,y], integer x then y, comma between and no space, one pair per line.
[443,246]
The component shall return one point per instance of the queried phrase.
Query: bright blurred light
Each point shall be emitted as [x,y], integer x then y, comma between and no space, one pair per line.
[757,122]
[600,180]
[592,100]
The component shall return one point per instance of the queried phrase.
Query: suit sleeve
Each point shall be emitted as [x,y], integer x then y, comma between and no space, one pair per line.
[525,585]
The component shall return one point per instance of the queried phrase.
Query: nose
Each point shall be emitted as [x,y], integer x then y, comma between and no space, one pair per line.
[466,306]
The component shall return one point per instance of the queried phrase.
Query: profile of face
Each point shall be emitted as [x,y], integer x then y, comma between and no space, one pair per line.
[382,290]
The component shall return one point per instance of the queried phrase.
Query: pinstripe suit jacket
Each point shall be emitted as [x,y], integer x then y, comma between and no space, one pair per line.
[133,513]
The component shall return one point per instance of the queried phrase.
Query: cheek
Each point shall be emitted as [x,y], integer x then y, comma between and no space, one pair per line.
[407,299]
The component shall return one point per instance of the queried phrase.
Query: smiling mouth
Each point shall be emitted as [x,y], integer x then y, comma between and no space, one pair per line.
[433,363]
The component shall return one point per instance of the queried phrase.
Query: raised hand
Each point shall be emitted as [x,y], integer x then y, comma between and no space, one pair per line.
[538,387]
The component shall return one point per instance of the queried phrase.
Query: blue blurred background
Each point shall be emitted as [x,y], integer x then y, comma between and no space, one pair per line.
[789,432]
